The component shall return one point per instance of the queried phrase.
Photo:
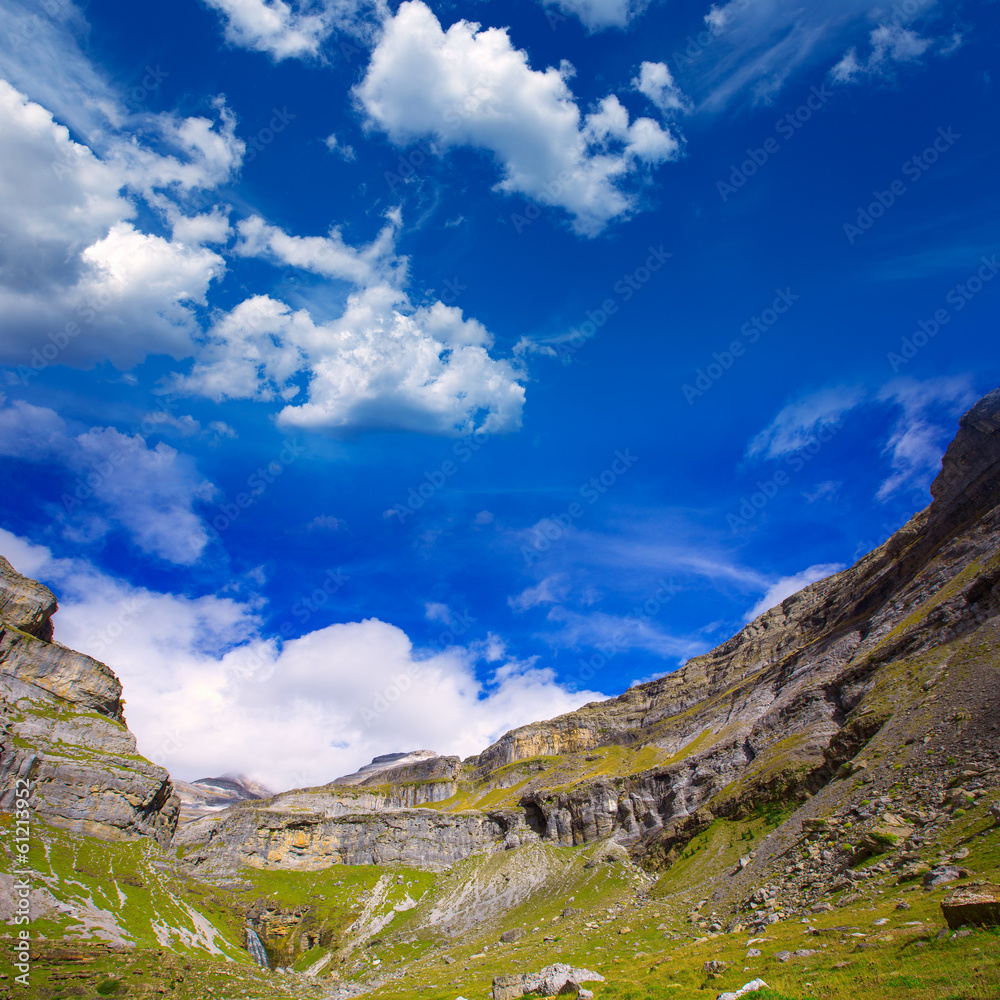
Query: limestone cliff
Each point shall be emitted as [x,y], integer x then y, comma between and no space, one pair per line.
[769,715]
[63,729]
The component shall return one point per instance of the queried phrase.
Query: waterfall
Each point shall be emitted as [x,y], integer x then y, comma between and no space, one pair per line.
[256,948]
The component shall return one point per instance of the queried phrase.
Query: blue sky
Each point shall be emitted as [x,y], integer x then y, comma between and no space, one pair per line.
[382,377]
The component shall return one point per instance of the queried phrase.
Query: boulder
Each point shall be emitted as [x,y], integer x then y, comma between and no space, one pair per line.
[944,873]
[977,904]
[752,987]
[514,934]
[715,967]
[549,982]
[815,826]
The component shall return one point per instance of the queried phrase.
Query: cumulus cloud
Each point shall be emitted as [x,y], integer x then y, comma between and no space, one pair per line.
[597,15]
[327,255]
[283,30]
[79,282]
[208,692]
[477,90]
[789,585]
[798,424]
[656,83]
[890,43]
[113,479]
[381,364]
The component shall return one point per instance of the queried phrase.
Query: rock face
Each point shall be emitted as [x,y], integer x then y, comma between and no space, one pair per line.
[313,829]
[973,904]
[25,604]
[63,729]
[779,713]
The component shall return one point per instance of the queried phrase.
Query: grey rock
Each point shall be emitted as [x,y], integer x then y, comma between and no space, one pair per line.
[977,904]
[65,733]
[944,873]
[25,604]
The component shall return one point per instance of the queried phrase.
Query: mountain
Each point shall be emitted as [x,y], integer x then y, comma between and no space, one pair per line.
[798,804]
[771,715]
[207,795]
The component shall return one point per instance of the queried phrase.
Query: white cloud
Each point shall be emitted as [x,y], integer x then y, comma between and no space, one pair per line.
[435,611]
[477,90]
[552,590]
[325,522]
[283,30]
[614,634]
[797,425]
[381,364]
[921,432]
[208,693]
[789,585]
[596,15]
[79,282]
[117,479]
[327,255]
[917,441]
[656,83]
[890,43]
[333,144]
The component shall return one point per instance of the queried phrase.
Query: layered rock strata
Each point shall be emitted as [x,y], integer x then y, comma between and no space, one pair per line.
[64,732]
[773,714]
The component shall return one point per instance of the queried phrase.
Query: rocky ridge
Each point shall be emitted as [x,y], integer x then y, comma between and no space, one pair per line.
[64,730]
[773,714]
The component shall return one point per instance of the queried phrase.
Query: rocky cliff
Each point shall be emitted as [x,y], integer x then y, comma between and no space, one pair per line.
[771,715]
[64,732]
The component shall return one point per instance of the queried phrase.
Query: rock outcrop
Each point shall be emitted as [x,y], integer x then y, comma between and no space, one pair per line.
[316,828]
[64,732]
[978,905]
